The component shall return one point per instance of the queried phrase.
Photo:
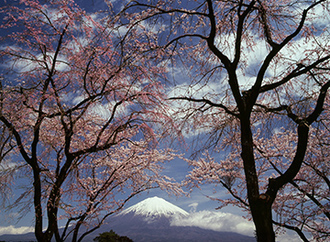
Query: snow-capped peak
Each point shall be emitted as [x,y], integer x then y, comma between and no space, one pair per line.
[155,207]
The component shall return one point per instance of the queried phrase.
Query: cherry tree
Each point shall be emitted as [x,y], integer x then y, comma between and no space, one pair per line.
[81,101]
[255,78]
[302,206]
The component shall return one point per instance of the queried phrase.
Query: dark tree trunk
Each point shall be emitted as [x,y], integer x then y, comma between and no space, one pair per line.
[260,204]
[262,217]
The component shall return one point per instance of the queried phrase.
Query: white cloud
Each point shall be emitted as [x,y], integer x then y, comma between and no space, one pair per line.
[217,221]
[226,222]
[13,230]
[318,16]
[198,90]
[33,61]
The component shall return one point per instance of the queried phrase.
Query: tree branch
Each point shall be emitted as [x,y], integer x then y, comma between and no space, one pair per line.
[255,90]
[298,71]
[239,31]
[294,228]
[209,102]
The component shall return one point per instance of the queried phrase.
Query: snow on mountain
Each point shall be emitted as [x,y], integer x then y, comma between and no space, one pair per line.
[155,207]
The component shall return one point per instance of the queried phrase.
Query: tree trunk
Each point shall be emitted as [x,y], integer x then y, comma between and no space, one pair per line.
[76,229]
[262,217]
[260,204]
[40,235]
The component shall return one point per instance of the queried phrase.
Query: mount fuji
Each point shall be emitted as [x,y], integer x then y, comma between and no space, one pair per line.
[151,220]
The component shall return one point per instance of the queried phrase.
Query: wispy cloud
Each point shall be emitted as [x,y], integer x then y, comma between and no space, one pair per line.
[193,207]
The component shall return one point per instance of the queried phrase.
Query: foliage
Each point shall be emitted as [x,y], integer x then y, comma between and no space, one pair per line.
[111,237]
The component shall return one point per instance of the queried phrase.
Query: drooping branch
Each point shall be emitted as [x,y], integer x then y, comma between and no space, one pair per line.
[207,101]
[111,213]
[230,190]
[183,37]
[158,12]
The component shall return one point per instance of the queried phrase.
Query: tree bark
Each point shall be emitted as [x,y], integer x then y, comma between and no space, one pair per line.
[260,204]
[261,210]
